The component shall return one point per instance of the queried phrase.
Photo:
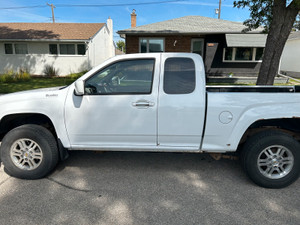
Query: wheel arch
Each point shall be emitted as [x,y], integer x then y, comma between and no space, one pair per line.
[9,122]
[290,126]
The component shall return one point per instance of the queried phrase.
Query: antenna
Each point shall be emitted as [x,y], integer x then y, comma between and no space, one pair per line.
[52,9]
[219,12]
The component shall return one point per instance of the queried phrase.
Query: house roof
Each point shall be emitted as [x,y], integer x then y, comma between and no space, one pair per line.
[40,31]
[189,25]
[294,36]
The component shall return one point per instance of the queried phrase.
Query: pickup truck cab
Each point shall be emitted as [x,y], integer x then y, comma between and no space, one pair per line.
[153,102]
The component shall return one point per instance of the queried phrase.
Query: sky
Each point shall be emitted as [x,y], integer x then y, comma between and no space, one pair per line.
[146,13]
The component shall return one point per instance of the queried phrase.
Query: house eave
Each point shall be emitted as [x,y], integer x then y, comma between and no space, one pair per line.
[136,33]
[45,40]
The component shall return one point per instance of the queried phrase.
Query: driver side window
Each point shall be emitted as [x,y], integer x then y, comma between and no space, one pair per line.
[124,77]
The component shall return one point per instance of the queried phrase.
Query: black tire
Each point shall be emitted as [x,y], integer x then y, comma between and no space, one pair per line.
[275,151]
[38,160]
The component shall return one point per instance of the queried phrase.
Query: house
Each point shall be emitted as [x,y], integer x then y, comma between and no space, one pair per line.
[290,56]
[68,47]
[222,44]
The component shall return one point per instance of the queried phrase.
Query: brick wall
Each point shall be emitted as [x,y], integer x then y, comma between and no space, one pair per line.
[183,43]
[132,44]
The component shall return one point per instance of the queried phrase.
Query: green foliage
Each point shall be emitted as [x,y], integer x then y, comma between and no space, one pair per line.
[50,71]
[121,45]
[261,13]
[22,75]
[10,76]
[75,76]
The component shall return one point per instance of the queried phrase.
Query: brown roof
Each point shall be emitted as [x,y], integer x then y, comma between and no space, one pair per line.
[62,31]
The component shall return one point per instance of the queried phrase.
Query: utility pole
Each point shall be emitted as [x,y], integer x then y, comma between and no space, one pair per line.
[219,13]
[52,9]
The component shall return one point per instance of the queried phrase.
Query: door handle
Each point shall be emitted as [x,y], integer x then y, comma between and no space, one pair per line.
[143,104]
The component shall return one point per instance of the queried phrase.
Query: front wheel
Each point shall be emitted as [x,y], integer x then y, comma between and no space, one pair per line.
[272,159]
[29,152]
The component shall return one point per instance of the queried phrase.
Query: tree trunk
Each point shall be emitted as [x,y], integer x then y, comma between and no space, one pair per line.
[280,28]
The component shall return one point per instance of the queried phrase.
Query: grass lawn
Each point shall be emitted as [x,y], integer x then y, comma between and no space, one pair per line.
[34,83]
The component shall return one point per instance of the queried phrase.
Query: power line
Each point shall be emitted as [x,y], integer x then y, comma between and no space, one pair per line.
[25,7]
[95,5]
[121,4]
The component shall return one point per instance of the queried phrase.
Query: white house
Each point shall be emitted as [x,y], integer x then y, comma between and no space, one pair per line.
[291,55]
[68,47]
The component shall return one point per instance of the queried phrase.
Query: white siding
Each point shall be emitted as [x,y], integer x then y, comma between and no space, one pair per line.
[290,57]
[38,56]
[99,48]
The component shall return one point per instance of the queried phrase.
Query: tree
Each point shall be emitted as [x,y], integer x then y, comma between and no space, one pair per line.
[278,18]
[121,45]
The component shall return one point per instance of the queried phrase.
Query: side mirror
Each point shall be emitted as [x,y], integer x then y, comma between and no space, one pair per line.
[79,87]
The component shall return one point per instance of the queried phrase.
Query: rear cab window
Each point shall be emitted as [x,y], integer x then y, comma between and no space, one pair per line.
[179,76]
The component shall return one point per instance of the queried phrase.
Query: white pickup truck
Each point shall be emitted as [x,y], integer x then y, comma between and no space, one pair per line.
[153,102]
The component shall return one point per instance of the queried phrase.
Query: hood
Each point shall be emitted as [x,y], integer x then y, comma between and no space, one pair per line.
[31,94]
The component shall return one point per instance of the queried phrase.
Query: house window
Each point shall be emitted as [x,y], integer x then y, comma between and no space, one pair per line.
[53,49]
[259,53]
[245,54]
[8,48]
[228,53]
[151,45]
[81,49]
[21,49]
[15,49]
[67,49]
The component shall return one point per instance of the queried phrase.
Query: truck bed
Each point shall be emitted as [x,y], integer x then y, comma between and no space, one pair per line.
[268,89]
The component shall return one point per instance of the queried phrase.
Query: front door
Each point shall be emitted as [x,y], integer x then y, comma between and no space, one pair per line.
[119,108]
[198,46]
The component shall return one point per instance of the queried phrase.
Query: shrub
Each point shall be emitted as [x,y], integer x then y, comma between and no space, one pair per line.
[75,76]
[7,77]
[50,71]
[23,75]
[11,76]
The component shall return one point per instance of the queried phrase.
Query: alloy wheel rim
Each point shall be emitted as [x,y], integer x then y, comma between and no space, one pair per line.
[26,154]
[275,162]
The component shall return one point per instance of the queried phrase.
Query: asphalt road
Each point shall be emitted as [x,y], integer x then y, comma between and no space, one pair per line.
[145,188]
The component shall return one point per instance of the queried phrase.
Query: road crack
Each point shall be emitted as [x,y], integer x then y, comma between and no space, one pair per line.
[67,186]
[4,181]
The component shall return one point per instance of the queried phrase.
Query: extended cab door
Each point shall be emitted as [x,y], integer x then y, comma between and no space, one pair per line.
[181,111]
[119,107]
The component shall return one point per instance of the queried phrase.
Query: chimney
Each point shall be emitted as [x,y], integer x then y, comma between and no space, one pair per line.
[109,24]
[133,19]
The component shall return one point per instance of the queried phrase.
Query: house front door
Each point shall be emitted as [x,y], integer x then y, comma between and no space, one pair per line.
[198,46]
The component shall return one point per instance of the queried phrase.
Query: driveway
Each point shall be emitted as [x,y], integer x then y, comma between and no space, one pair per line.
[145,188]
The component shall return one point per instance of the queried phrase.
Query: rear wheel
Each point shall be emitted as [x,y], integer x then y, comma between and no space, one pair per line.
[271,159]
[29,152]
